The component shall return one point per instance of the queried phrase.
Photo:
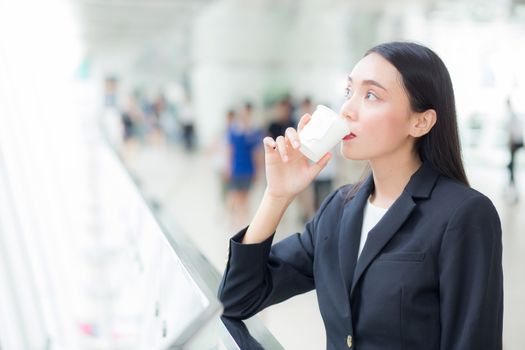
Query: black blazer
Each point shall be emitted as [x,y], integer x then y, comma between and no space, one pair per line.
[429,277]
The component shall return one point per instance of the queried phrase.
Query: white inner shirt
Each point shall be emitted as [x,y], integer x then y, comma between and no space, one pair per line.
[371,216]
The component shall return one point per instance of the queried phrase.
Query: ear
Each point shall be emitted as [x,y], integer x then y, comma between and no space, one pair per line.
[423,123]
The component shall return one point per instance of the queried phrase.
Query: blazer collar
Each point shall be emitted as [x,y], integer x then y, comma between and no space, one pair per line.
[419,186]
[350,232]
[422,181]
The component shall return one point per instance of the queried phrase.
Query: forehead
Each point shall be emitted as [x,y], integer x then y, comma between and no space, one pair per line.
[375,67]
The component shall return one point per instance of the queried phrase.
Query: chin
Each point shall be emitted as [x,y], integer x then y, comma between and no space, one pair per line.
[352,154]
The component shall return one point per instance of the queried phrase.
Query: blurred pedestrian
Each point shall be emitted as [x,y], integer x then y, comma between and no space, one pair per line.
[187,120]
[515,132]
[220,155]
[245,142]
[283,119]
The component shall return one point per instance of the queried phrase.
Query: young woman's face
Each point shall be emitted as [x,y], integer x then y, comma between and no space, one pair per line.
[377,110]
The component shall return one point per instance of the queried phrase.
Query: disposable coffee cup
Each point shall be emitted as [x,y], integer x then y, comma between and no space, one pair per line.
[322,133]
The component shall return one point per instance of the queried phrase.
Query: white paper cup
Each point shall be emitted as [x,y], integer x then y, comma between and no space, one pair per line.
[322,133]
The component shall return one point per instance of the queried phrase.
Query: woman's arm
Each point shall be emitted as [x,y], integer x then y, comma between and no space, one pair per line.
[471,278]
[266,219]
[258,275]
[254,278]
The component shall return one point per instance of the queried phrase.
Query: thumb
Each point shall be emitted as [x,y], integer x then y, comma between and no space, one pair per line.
[321,163]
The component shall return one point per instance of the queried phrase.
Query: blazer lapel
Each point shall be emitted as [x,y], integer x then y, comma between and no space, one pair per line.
[420,185]
[379,236]
[350,232]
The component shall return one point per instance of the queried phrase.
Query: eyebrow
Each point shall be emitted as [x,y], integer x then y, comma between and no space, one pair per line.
[369,82]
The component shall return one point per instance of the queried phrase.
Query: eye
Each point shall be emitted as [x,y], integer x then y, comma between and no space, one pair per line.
[371,96]
[348,92]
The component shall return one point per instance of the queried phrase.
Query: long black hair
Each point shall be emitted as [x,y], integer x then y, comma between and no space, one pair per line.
[427,83]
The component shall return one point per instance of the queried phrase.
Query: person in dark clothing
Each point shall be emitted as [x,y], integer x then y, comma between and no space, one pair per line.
[283,121]
[515,129]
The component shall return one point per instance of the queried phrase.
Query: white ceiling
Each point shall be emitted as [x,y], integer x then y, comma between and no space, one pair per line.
[155,35]
[120,23]
[110,23]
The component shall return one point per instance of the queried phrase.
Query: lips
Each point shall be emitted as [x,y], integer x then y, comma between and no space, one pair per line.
[349,136]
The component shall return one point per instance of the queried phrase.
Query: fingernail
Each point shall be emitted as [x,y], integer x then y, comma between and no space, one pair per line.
[296,144]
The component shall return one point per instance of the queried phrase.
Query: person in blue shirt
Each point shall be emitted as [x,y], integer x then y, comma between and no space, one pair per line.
[409,258]
[245,143]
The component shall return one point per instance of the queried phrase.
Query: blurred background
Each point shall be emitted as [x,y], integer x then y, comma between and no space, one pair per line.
[117,123]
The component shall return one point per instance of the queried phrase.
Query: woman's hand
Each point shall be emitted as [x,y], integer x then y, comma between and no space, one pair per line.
[288,171]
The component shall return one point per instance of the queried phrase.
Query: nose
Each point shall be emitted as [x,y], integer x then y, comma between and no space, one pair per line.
[349,111]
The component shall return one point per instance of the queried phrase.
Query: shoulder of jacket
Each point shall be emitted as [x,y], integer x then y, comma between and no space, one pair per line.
[337,199]
[459,193]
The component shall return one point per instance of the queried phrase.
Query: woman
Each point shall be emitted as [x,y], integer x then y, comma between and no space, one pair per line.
[409,258]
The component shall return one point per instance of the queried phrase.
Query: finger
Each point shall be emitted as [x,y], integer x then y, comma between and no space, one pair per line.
[281,147]
[303,121]
[269,144]
[291,135]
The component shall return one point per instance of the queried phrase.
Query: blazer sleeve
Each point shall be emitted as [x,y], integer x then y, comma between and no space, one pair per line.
[259,275]
[471,278]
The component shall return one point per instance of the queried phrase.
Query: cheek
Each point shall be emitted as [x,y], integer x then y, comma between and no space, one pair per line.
[385,128]
[380,131]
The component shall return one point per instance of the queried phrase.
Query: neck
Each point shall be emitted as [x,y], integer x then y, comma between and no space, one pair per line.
[391,175]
